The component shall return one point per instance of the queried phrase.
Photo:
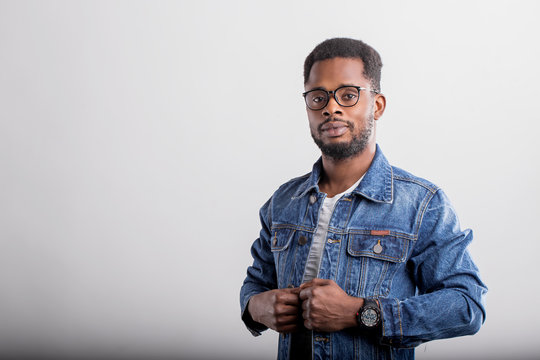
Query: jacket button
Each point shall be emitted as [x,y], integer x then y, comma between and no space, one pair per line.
[312,199]
[302,240]
[274,242]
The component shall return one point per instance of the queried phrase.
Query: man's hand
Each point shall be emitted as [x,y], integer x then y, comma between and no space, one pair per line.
[326,307]
[277,309]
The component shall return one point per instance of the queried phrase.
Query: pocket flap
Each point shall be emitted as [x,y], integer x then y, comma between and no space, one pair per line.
[385,247]
[281,239]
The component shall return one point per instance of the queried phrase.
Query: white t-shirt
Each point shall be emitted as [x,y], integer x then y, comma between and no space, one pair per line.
[317,245]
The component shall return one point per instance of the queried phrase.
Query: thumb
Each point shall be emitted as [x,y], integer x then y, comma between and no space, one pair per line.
[295,290]
[306,285]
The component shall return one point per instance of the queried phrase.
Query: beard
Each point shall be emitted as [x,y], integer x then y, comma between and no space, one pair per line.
[345,150]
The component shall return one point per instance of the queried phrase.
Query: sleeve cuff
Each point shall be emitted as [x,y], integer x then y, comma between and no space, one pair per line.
[392,329]
[254,327]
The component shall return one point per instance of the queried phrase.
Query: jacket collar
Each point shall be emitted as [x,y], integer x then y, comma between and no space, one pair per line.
[377,184]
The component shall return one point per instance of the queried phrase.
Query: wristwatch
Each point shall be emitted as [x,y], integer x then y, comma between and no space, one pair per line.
[369,315]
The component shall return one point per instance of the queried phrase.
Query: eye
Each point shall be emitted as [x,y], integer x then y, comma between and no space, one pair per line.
[317,99]
[349,96]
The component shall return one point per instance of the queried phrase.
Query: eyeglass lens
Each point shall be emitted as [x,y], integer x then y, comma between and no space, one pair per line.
[345,96]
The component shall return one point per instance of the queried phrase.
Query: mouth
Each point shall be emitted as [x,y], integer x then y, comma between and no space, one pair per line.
[334,128]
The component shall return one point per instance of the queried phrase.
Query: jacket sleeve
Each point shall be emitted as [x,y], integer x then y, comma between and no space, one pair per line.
[261,275]
[450,294]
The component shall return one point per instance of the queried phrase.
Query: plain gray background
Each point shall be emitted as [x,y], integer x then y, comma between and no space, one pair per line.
[138,140]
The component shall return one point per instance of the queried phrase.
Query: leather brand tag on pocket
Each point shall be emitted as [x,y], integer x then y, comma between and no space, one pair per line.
[380,232]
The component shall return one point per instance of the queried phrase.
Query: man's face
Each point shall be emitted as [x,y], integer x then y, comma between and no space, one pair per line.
[341,132]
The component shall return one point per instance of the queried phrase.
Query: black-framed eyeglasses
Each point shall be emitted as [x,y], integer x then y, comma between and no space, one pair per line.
[345,96]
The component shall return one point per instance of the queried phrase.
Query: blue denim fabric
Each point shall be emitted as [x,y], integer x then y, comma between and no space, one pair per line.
[426,283]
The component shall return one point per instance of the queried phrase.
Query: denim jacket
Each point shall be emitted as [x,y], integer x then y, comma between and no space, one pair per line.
[424,279]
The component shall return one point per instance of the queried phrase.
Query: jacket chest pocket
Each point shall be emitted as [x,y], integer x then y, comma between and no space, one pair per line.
[373,259]
[289,247]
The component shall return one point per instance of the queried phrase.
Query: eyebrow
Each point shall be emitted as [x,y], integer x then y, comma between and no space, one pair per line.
[323,88]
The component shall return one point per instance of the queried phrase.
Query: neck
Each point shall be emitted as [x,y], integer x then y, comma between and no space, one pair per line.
[339,175]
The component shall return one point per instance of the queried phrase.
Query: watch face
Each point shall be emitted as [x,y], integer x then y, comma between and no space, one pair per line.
[370,317]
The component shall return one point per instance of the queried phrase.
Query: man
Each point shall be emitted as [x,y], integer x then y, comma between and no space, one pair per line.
[357,259]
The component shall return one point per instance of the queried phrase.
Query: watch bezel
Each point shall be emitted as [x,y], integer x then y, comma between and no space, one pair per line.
[370,306]
[367,315]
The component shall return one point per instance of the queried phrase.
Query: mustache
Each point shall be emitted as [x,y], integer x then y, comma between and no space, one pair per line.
[334,119]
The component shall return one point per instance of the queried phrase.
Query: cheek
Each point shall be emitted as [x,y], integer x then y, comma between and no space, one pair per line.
[360,116]
[313,121]
[356,117]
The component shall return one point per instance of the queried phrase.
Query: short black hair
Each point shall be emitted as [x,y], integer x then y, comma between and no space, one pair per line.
[347,48]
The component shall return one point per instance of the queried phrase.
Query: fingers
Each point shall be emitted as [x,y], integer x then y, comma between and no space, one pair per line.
[287,309]
[310,291]
[306,293]
[306,315]
[288,297]
[316,297]
[294,291]
[286,320]
[287,324]
[316,282]
[286,302]
[283,309]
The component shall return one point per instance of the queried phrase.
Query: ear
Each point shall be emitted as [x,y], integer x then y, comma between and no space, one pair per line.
[379,106]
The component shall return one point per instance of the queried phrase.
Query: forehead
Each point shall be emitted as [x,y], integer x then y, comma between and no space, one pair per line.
[332,73]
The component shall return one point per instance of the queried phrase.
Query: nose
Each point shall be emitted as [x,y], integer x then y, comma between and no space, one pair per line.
[332,107]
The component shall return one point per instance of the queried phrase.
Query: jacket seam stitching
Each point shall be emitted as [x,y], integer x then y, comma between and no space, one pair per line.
[420,217]
[400,325]
[293,227]
[432,189]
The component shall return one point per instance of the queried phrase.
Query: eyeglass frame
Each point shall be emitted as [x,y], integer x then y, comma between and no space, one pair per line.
[333,93]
